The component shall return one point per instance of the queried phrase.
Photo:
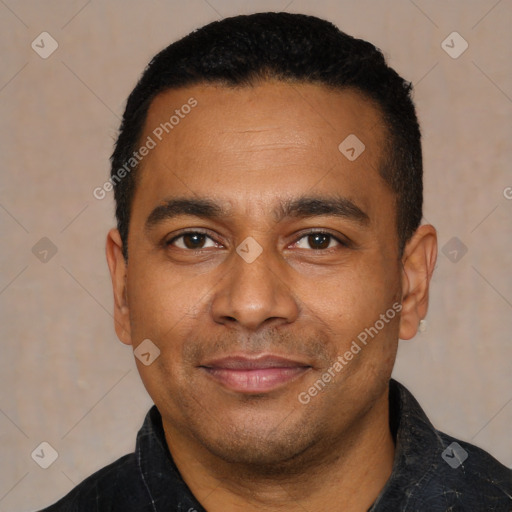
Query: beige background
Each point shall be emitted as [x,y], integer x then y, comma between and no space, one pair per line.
[66,380]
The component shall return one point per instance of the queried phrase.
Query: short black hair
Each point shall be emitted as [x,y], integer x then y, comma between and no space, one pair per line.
[244,50]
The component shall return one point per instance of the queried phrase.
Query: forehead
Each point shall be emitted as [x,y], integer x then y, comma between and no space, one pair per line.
[249,145]
[302,113]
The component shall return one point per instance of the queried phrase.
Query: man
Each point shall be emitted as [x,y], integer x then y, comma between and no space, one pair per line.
[268,257]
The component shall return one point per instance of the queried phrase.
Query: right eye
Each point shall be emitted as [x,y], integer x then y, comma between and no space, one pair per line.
[193,240]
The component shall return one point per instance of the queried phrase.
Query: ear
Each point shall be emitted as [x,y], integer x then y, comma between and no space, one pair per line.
[418,262]
[117,266]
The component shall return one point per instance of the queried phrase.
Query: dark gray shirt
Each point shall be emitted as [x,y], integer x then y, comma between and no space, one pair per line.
[432,472]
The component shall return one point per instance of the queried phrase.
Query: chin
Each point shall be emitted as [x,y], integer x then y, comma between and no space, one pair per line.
[260,446]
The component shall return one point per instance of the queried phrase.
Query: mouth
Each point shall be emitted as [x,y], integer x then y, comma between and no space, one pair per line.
[256,374]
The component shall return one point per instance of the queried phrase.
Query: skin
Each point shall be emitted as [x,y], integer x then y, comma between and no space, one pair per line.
[251,149]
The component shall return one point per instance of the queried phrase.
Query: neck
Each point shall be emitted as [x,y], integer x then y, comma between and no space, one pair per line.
[350,472]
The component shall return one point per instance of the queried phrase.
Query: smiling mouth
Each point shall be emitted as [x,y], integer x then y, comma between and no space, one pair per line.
[254,375]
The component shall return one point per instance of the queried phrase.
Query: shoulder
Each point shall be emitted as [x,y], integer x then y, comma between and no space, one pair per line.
[437,472]
[111,488]
[467,478]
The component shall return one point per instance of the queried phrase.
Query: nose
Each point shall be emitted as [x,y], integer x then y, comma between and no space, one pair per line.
[256,294]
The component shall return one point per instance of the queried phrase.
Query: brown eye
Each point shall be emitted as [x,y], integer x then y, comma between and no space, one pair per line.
[317,241]
[193,240]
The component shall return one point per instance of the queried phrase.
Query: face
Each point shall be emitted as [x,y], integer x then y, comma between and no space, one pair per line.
[258,254]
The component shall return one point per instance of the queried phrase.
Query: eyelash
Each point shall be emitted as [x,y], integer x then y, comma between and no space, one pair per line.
[341,242]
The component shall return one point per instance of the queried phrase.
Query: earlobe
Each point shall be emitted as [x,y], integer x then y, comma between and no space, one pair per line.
[118,266]
[418,264]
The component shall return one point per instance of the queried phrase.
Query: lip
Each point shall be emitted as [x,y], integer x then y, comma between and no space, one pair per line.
[254,374]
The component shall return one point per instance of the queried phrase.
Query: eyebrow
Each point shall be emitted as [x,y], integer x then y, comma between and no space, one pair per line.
[301,207]
[205,208]
[317,206]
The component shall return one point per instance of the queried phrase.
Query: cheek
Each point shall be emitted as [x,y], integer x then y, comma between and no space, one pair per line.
[351,295]
[161,302]
[163,308]
[349,304]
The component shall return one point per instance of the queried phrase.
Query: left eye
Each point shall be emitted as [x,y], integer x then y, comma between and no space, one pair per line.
[317,241]
[192,241]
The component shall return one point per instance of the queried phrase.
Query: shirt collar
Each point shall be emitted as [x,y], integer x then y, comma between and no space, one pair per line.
[417,447]
[166,489]
[409,425]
